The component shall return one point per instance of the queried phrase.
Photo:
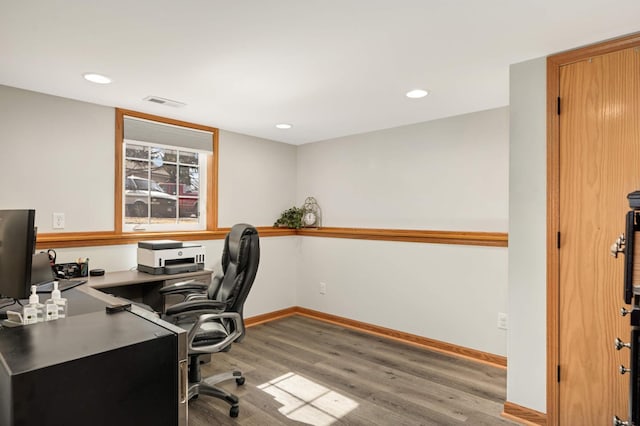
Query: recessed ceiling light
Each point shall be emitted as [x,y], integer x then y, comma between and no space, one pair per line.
[417,93]
[284,126]
[96,78]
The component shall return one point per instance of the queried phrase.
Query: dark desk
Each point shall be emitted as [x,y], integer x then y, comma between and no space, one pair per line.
[93,368]
[143,287]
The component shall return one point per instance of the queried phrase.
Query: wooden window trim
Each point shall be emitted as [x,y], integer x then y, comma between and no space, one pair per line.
[212,172]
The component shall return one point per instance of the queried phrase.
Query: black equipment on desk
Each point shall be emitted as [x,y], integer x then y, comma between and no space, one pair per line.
[18,242]
[71,269]
[42,275]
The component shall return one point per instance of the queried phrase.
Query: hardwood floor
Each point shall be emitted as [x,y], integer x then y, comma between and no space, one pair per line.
[303,371]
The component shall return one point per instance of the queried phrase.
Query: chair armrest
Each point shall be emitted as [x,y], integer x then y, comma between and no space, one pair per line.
[190,307]
[183,287]
[238,331]
[200,312]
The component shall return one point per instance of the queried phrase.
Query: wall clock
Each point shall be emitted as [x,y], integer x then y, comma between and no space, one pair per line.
[311,213]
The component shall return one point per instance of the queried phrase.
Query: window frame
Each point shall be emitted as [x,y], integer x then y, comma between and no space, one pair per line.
[167,227]
[211,220]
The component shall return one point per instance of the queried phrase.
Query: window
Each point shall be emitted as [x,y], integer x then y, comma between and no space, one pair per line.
[166,174]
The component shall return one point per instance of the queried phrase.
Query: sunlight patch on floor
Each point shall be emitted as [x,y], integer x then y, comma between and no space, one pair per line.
[306,401]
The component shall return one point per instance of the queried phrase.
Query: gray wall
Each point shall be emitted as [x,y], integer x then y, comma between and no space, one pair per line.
[446,174]
[526,374]
[257,179]
[449,174]
[59,157]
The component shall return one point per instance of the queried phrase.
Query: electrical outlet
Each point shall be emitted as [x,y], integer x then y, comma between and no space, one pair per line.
[502,320]
[58,221]
[323,288]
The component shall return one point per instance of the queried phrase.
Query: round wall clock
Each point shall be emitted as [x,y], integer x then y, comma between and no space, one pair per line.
[311,213]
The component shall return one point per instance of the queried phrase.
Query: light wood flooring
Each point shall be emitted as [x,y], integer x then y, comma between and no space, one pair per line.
[304,371]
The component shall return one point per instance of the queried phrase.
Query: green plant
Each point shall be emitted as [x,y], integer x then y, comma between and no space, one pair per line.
[290,218]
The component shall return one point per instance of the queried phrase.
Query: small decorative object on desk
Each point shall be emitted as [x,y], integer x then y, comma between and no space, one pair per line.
[83,263]
[312,215]
[79,268]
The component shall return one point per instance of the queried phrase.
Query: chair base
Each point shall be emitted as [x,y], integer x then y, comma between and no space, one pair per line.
[207,387]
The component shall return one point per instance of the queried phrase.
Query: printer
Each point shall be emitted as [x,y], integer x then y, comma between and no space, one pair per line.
[169,257]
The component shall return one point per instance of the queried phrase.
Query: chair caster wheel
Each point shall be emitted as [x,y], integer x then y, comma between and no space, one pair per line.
[240,381]
[234,411]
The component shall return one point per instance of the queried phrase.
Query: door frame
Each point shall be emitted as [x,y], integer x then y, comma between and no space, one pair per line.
[554,62]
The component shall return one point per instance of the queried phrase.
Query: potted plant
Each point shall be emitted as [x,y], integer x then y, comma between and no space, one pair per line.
[290,218]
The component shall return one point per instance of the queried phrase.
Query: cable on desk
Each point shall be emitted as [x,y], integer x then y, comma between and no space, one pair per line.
[12,303]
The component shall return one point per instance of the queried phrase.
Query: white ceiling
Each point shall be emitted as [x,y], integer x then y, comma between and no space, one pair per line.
[331,68]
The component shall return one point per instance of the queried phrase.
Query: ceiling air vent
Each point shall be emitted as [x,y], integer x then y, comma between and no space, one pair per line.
[164,101]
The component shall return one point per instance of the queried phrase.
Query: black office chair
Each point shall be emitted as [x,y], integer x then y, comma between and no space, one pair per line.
[214,319]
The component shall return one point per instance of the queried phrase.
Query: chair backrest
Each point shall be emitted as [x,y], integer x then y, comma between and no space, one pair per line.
[240,259]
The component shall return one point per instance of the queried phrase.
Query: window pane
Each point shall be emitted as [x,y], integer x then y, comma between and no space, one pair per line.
[190,177]
[189,180]
[188,157]
[165,177]
[163,205]
[129,184]
[136,198]
[145,200]
[163,208]
[137,151]
[171,155]
[137,168]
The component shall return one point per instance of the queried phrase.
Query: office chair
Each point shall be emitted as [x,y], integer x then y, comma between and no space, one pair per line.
[214,319]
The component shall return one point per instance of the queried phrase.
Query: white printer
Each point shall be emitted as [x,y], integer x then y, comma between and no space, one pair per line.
[169,257]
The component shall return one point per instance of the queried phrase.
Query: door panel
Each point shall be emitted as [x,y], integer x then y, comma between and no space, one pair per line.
[599,166]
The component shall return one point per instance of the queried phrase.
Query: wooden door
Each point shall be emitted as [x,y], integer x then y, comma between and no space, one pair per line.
[599,165]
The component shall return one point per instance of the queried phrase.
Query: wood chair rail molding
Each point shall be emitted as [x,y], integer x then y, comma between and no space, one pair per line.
[497,239]
[85,239]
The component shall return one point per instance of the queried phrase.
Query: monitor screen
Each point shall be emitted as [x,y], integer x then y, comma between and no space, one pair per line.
[17,246]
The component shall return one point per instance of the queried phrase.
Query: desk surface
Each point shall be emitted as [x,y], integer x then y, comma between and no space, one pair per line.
[93,368]
[87,330]
[81,300]
[40,345]
[121,278]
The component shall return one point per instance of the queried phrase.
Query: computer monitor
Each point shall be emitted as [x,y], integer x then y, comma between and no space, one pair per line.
[17,246]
